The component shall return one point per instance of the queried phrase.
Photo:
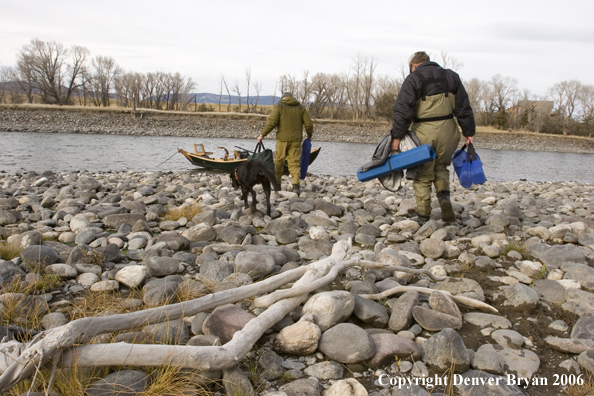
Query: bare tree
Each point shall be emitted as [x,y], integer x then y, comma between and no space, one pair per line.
[128,87]
[221,79]
[586,101]
[319,91]
[147,95]
[474,88]
[354,84]
[10,91]
[501,91]
[237,90]
[337,95]
[368,84]
[287,82]
[26,78]
[359,86]
[160,89]
[449,62]
[224,82]
[305,89]
[187,86]
[248,78]
[257,88]
[387,89]
[105,70]
[54,69]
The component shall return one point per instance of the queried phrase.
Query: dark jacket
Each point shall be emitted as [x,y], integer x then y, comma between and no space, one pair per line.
[290,117]
[412,91]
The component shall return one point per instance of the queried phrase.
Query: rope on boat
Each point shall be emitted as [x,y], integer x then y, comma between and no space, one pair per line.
[166,160]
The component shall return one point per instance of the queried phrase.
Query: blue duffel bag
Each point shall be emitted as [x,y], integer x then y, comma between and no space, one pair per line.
[468,166]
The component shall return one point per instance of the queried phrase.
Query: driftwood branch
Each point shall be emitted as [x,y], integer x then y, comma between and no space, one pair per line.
[275,296]
[467,301]
[19,362]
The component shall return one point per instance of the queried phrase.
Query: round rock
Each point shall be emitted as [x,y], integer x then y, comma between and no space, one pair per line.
[347,343]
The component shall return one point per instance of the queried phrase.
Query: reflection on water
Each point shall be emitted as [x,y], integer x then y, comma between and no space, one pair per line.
[73,152]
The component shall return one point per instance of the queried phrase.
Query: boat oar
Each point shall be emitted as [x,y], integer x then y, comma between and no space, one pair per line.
[244,149]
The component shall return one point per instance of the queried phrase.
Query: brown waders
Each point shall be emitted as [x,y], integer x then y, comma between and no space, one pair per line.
[443,135]
[291,152]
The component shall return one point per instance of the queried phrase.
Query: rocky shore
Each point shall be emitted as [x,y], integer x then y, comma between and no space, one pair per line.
[505,292]
[159,123]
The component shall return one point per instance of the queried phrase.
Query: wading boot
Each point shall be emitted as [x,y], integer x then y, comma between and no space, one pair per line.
[420,220]
[296,189]
[447,213]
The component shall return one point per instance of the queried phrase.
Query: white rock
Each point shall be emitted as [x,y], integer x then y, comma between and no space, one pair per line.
[64,271]
[87,279]
[79,222]
[578,228]
[438,270]
[530,268]
[570,284]
[476,241]
[347,387]
[555,274]
[132,275]
[67,237]
[105,286]
[318,232]
[330,308]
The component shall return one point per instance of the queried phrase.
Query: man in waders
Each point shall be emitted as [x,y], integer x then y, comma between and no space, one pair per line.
[289,117]
[433,99]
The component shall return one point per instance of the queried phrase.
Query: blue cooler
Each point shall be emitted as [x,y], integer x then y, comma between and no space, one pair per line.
[404,160]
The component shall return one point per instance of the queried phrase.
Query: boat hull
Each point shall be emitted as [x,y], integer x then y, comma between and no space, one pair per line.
[230,164]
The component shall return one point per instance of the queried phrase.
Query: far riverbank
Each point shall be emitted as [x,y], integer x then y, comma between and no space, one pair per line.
[51,119]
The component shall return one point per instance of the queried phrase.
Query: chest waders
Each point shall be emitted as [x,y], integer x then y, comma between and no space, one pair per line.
[434,124]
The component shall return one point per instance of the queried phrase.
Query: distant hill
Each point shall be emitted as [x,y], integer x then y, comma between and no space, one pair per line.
[210,98]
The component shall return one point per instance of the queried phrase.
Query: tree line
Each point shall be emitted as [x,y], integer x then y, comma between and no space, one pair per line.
[48,72]
[67,76]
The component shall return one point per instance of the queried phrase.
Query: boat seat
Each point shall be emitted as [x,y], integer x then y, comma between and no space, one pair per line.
[203,153]
[235,154]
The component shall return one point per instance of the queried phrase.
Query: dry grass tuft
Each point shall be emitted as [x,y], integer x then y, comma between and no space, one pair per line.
[186,210]
[585,389]
[8,251]
[171,381]
[24,310]
[100,304]
[93,257]
[189,290]
[46,284]
[518,247]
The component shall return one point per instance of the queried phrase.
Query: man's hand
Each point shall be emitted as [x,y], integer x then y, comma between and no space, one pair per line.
[259,139]
[395,144]
[468,140]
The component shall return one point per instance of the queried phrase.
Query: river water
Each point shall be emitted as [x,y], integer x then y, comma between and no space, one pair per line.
[26,151]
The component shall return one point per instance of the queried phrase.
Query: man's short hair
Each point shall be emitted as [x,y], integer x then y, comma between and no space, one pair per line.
[418,57]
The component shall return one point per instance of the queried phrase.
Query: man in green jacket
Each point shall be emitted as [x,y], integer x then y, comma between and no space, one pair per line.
[289,117]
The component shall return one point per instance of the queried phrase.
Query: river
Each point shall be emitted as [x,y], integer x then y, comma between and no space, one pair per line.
[31,151]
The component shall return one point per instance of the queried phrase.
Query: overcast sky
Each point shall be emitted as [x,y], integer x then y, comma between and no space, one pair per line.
[539,43]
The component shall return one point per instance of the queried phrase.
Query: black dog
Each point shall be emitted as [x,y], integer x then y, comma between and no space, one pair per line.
[250,173]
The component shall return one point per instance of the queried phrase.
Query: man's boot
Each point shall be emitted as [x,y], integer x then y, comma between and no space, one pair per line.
[447,213]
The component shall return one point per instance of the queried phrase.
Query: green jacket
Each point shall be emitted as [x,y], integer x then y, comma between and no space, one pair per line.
[289,116]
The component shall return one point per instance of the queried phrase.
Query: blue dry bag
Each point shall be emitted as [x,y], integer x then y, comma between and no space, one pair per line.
[304,163]
[468,166]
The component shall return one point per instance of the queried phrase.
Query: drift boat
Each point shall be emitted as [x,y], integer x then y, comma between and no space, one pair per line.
[228,163]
